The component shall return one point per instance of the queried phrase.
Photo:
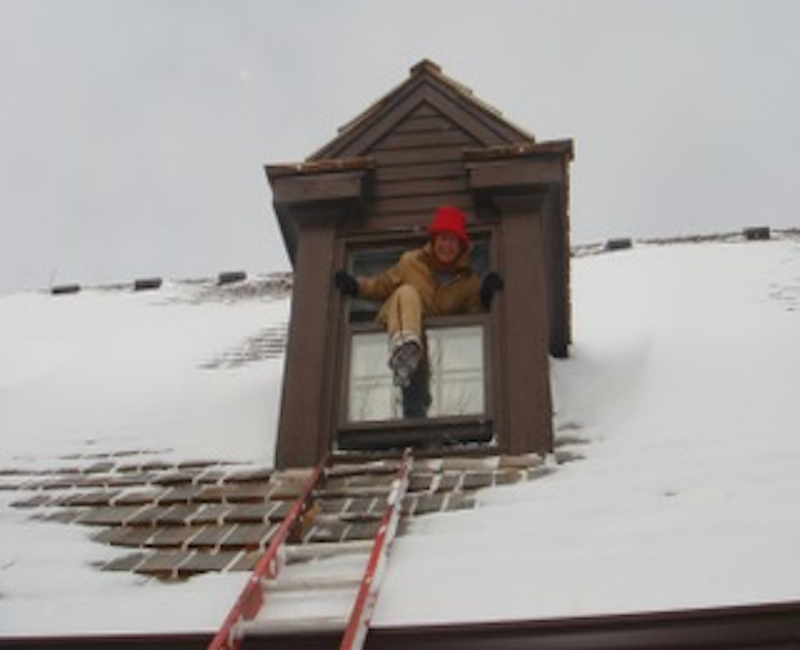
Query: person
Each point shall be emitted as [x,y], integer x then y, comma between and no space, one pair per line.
[436,279]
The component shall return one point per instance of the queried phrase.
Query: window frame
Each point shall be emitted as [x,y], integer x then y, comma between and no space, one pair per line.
[442,431]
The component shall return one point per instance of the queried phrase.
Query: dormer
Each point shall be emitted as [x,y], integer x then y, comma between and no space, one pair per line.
[357,204]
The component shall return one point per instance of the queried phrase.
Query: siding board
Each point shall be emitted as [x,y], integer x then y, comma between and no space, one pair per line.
[425,139]
[421,187]
[421,204]
[420,167]
[427,155]
[412,172]
[416,123]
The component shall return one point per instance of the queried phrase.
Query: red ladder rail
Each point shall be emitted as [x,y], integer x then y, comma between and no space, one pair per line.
[268,566]
[361,614]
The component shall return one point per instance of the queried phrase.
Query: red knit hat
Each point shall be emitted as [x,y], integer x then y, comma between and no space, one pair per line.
[450,219]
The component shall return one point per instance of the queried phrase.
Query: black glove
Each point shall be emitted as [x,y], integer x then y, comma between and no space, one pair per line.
[492,283]
[345,283]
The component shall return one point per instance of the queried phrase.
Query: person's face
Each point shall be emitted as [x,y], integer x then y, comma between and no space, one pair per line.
[446,247]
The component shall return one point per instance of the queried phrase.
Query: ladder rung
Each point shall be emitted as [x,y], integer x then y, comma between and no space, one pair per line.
[301,552]
[349,517]
[312,583]
[352,492]
[377,468]
[258,627]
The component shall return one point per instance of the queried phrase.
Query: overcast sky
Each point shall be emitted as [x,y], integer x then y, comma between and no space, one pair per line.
[133,133]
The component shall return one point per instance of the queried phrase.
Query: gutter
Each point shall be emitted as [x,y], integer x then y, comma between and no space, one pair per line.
[768,626]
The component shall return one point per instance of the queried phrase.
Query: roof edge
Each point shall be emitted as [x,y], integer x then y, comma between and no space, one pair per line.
[319,166]
[765,625]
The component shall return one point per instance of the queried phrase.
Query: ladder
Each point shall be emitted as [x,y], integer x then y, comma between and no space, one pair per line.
[319,576]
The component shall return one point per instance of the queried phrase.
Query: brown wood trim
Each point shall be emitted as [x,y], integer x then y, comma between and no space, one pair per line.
[773,626]
[438,432]
[303,434]
[521,149]
[425,140]
[421,207]
[425,120]
[325,165]
[435,154]
[525,173]
[523,312]
[406,237]
[417,170]
[331,186]
[768,626]
[430,186]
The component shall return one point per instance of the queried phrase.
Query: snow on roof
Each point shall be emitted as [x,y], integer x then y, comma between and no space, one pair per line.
[678,401]
[113,369]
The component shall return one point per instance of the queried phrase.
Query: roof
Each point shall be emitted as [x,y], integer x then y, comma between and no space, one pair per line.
[676,410]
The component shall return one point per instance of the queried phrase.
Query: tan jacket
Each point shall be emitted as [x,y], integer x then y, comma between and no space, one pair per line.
[441,295]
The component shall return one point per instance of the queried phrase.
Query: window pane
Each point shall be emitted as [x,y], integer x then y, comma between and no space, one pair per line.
[370,263]
[450,384]
[373,261]
[456,358]
[371,395]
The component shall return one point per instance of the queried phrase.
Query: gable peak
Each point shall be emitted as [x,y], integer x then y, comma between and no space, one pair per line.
[424,76]
[426,65]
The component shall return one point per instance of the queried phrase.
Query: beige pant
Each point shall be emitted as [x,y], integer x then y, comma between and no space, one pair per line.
[402,314]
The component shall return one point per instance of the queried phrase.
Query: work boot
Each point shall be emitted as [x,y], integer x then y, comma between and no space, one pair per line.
[406,355]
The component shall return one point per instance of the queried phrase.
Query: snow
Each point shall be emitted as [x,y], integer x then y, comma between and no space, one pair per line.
[124,370]
[678,403]
[50,587]
[681,389]
[108,371]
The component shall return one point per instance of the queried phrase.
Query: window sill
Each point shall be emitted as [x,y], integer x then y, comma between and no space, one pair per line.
[418,433]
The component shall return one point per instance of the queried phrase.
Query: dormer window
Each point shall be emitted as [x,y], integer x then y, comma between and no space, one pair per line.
[360,201]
